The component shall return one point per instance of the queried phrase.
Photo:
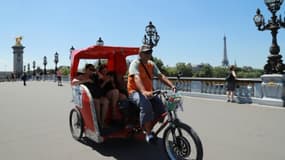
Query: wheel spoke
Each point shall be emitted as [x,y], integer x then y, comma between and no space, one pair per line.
[180,143]
[76,126]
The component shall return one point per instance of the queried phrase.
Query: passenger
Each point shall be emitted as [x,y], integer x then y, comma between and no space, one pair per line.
[110,90]
[90,78]
[121,85]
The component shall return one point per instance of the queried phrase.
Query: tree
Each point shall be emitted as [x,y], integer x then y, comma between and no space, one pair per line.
[159,64]
[250,74]
[220,72]
[170,71]
[65,70]
[206,70]
[185,69]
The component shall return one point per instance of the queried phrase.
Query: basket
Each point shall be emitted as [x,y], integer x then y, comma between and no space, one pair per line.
[173,101]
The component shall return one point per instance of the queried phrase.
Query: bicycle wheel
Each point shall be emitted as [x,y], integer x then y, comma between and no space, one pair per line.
[76,124]
[181,142]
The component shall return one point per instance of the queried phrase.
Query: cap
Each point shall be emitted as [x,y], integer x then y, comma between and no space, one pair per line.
[145,48]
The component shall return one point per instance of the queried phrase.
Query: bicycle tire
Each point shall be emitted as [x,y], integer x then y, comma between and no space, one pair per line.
[182,148]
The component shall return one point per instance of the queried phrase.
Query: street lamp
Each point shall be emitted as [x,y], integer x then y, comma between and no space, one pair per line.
[34,66]
[28,68]
[45,63]
[274,62]
[55,61]
[151,37]
[70,51]
[273,5]
[99,42]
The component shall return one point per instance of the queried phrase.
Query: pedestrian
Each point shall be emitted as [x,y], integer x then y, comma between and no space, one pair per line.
[58,75]
[231,84]
[24,78]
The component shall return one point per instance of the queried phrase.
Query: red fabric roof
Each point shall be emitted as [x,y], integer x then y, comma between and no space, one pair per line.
[116,57]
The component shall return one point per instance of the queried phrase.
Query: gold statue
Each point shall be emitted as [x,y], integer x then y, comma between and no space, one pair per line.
[18,41]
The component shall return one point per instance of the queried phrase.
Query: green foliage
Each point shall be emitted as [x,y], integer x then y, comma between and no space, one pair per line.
[159,64]
[171,71]
[250,74]
[65,70]
[220,72]
[206,70]
[185,69]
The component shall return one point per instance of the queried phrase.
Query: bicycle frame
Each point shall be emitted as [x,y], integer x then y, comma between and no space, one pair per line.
[172,118]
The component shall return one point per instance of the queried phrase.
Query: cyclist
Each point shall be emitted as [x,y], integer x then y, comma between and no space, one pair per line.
[141,73]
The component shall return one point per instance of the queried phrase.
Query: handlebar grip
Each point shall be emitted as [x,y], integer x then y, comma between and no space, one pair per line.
[156,92]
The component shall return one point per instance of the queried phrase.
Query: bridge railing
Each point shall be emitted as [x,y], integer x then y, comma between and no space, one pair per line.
[49,77]
[245,87]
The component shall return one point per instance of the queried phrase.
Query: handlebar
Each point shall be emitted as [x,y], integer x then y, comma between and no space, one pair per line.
[157,92]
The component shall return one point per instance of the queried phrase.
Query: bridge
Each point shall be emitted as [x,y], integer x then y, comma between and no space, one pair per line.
[248,90]
[34,125]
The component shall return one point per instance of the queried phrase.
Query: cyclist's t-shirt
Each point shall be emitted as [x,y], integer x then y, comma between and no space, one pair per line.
[136,68]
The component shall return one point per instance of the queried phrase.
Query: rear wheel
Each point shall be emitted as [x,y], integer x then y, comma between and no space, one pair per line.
[182,142]
[76,124]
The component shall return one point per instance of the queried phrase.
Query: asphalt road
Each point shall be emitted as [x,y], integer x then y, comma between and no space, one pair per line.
[34,125]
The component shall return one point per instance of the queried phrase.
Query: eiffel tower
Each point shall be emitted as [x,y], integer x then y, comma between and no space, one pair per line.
[225,61]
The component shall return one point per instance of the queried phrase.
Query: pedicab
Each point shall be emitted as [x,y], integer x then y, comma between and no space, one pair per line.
[180,141]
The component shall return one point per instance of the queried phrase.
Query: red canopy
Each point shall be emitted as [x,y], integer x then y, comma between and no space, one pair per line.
[116,57]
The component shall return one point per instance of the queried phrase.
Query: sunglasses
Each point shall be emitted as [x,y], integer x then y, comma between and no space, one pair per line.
[148,52]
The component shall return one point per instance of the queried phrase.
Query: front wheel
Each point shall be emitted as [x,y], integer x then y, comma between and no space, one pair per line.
[180,141]
[76,124]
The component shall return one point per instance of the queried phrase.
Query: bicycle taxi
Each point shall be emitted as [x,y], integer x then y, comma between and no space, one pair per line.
[180,141]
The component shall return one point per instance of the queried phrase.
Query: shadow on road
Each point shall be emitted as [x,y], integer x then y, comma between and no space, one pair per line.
[128,149]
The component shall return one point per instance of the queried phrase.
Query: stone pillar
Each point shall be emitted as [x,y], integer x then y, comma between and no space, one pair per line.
[18,50]
[273,89]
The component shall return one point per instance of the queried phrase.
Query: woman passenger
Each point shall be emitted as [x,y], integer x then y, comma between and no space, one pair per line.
[91,78]
[110,90]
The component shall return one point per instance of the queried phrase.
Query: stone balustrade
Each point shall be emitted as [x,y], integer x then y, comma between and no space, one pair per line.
[244,87]
[248,90]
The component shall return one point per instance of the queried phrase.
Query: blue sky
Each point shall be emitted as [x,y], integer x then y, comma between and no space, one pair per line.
[191,31]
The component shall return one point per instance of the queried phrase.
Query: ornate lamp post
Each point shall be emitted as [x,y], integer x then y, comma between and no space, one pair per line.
[24,68]
[45,63]
[70,51]
[99,42]
[151,37]
[55,61]
[273,86]
[28,68]
[34,67]
[274,62]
